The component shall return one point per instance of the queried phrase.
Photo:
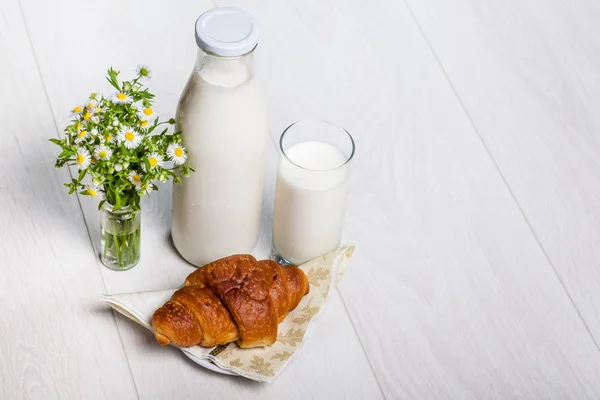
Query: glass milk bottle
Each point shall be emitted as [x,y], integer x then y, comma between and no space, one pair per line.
[222,113]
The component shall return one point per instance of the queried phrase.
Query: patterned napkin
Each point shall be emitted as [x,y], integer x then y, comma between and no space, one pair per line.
[259,364]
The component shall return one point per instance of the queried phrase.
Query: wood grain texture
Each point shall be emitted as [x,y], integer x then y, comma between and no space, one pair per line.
[529,76]
[161,35]
[449,291]
[55,342]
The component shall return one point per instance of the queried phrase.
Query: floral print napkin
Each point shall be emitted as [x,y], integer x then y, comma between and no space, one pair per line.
[259,364]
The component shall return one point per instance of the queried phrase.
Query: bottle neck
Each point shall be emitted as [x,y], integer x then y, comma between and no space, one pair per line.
[228,72]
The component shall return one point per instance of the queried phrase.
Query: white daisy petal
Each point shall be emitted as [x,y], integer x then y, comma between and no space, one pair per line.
[120,98]
[77,110]
[146,188]
[136,178]
[129,137]
[144,71]
[155,160]
[146,114]
[82,158]
[176,153]
[97,96]
[109,137]
[82,136]
[144,124]
[94,191]
[102,152]
[91,104]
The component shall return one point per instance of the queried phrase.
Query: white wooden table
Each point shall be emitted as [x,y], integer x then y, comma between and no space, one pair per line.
[475,201]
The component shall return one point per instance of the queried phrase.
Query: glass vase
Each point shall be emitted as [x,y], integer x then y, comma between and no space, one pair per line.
[120,235]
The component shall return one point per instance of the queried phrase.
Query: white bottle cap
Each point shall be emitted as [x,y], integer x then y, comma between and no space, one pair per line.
[227,32]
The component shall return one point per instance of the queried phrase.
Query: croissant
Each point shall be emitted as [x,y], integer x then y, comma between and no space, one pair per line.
[232,299]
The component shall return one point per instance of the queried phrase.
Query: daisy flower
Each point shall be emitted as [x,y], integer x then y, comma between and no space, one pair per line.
[146,188]
[94,191]
[144,123]
[82,158]
[81,136]
[77,110]
[144,71]
[176,153]
[94,132]
[121,98]
[87,116]
[102,152]
[131,138]
[146,114]
[155,160]
[96,96]
[108,137]
[91,104]
[136,179]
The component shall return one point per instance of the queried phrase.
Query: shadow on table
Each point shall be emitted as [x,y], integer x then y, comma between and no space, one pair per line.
[145,340]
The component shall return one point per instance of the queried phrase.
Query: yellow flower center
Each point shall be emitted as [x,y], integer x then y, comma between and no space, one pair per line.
[148,111]
[77,109]
[144,187]
[152,161]
[102,154]
[99,109]
[78,126]
[80,159]
[144,124]
[90,106]
[129,136]
[108,137]
[136,178]
[92,192]
[178,152]
[121,96]
[81,134]
[87,116]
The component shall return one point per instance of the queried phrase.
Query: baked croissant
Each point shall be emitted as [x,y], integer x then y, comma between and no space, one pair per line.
[232,299]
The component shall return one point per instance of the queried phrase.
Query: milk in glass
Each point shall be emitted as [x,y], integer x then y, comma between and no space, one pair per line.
[310,201]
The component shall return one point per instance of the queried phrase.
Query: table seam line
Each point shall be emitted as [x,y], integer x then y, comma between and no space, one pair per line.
[371,366]
[504,181]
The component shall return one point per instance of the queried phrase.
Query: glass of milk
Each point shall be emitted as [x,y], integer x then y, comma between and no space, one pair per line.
[310,197]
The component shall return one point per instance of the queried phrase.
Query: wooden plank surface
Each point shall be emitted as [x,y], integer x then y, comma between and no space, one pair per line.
[55,342]
[449,291]
[161,36]
[528,73]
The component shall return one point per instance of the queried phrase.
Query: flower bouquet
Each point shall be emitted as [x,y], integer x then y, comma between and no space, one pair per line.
[121,150]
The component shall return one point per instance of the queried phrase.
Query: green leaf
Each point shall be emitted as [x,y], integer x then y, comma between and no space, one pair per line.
[101,204]
[56,141]
[112,78]
[81,175]
[67,153]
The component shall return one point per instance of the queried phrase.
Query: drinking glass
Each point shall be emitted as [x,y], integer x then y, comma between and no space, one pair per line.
[311,191]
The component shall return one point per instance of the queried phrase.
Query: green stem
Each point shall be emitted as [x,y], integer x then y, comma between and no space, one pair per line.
[106,239]
[119,252]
